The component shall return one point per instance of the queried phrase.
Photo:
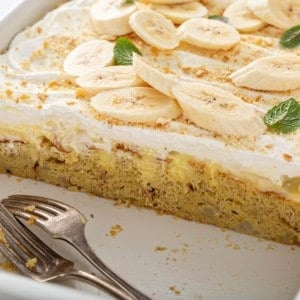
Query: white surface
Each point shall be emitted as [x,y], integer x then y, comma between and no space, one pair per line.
[31,290]
[203,262]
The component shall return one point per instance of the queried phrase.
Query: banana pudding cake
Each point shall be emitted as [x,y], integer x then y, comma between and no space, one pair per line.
[186,107]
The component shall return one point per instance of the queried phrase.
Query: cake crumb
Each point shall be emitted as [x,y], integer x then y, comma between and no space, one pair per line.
[287,157]
[160,212]
[232,245]
[270,247]
[7,266]
[2,238]
[125,203]
[175,290]
[269,146]
[160,248]
[31,220]
[29,208]
[115,230]
[31,263]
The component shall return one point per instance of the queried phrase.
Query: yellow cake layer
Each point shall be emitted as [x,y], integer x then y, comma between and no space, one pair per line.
[178,185]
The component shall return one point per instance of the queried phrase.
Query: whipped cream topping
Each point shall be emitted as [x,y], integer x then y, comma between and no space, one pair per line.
[36,96]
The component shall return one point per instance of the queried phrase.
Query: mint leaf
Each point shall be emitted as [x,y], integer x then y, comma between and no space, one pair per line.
[129,1]
[219,18]
[123,51]
[291,38]
[284,117]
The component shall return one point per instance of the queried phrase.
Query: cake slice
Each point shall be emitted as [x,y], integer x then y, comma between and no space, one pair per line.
[188,129]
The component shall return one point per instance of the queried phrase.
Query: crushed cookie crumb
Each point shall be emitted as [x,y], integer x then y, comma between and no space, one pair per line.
[160,248]
[8,92]
[42,96]
[81,93]
[29,208]
[7,266]
[31,263]
[175,290]
[31,220]
[115,230]
[2,238]
[39,30]
[287,157]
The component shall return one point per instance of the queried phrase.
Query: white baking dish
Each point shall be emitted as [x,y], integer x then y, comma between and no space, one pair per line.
[198,261]
[15,15]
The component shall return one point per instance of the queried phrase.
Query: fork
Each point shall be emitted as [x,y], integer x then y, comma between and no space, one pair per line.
[64,222]
[20,246]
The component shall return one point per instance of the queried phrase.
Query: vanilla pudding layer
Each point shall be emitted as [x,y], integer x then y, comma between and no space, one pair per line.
[49,131]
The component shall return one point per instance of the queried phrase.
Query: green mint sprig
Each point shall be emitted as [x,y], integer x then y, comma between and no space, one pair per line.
[123,51]
[218,18]
[291,37]
[129,1]
[284,117]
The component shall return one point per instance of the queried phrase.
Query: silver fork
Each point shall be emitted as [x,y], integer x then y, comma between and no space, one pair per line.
[64,222]
[20,245]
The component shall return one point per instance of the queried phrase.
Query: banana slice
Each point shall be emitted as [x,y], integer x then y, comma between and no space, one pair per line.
[109,78]
[136,104]
[111,17]
[274,73]
[217,110]
[210,34]
[242,18]
[154,28]
[157,79]
[279,13]
[179,13]
[88,57]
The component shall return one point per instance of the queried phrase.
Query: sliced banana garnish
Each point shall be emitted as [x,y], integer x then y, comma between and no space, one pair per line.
[179,13]
[136,104]
[279,13]
[154,28]
[217,110]
[242,18]
[154,77]
[210,34]
[88,57]
[274,73]
[111,17]
[107,78]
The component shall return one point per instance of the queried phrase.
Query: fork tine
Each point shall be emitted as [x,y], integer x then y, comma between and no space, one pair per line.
[16,246]
[21,245]
[39,199]
[20,235]
[38,212]
[24,203]
[20,212]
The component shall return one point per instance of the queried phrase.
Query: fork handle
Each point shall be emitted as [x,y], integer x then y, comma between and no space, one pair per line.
[82,245]
[97,282]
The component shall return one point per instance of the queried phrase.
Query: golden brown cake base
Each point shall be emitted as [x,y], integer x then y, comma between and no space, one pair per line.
[178,185]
